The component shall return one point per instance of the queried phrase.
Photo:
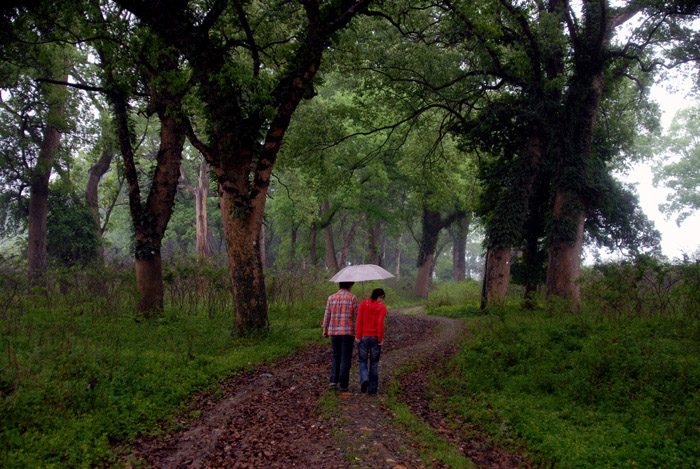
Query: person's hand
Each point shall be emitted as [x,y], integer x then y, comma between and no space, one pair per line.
[325,333]
[357,339]
[381,343]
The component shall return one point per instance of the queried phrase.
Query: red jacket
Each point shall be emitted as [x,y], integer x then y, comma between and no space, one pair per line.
[370,320]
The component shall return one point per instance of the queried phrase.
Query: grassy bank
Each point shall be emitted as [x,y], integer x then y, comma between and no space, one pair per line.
[581,390]
[80,371]
[73,384]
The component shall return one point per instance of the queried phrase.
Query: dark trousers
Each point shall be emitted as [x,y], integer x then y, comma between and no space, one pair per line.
[369,351]
[342,359]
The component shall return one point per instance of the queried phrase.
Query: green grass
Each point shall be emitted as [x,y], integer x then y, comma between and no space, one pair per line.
[76,378]
[583,391]
[432,446]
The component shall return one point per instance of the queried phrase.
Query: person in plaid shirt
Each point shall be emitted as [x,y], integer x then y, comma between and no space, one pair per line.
[339,324]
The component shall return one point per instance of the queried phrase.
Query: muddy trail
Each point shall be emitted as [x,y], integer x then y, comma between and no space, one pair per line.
[284,415]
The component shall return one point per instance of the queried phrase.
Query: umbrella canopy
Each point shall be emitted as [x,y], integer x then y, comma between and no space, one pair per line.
[361,273]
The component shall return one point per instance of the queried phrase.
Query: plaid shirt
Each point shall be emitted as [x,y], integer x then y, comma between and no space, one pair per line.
[341,310]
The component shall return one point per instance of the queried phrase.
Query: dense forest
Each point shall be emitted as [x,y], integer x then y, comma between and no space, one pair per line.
[225,159]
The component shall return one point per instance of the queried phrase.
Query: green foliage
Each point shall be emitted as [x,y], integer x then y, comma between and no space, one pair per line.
[79,372]
[432,446]
[643,286]
[617,221]
[582,391]
[453,294]
[679,169]
[463,300]
[71,233]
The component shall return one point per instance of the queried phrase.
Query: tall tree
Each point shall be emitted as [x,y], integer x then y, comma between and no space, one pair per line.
[32,52]
[95,174]
[152,69]
[252,67]
[200,193]
[458,233]
[56,97]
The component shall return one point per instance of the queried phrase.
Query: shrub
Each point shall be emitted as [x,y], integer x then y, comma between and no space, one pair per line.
[71,238]
[644,286]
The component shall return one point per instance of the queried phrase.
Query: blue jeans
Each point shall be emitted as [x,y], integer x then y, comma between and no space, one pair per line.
[369,350]
[342,359]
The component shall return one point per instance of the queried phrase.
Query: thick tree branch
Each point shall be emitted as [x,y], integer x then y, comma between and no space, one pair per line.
[79,86]
[249,36]
[198,144]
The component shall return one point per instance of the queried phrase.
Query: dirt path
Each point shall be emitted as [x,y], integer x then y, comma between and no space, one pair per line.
[272,416]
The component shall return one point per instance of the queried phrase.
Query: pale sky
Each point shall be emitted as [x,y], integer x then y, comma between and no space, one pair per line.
[676,240]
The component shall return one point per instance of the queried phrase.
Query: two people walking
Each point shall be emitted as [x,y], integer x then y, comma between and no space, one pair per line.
[346,323]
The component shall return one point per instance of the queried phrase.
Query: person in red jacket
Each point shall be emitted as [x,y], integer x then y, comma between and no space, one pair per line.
[369,335]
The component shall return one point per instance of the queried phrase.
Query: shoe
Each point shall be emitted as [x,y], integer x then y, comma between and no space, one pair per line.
[364,386]
[371,393]
[343,389]
[333,386]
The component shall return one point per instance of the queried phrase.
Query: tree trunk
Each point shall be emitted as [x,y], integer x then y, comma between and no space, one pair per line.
[263,247]
[242,231]
[200,196]
[459,232]
[91,193]
[313,257]
[38,205]
[432,223]
[159,206]
[374,234]
[331,261]
[436,256]
[347,241]
[39,186]
[293,248]
[564,262]
[397,271]
[423,276]
[431,230]
[496,276]
[149,281]
[383,251]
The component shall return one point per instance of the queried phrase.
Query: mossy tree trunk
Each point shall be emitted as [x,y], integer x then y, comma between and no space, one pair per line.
[496,276]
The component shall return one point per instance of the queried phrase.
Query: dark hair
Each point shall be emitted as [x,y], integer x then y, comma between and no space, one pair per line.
[376,293]
[346,285]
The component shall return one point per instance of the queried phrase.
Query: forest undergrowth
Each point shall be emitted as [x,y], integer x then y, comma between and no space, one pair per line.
[615,383]
[81,371]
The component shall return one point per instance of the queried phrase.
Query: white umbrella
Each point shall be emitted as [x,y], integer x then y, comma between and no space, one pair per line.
[361,273]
